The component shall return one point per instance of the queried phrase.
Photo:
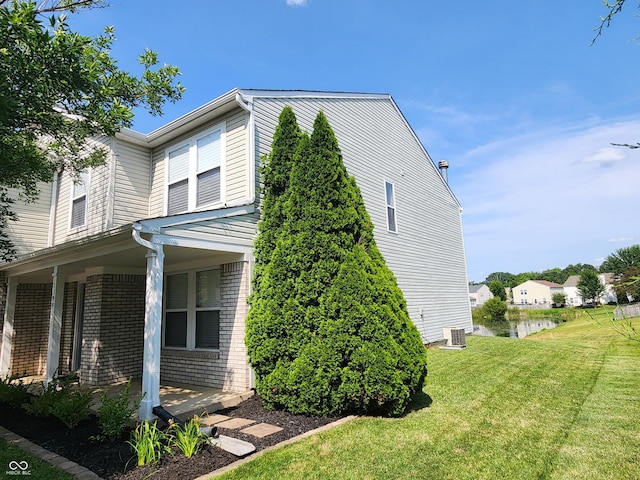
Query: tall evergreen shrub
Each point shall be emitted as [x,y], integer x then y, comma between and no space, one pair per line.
[328,331]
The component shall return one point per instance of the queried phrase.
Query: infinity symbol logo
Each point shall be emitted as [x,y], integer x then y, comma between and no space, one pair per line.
[13,465]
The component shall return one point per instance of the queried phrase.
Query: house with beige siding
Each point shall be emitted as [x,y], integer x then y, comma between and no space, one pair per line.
[142,268]
[478,294]
[536,292]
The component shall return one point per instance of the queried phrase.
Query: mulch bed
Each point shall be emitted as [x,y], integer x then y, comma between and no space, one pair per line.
[115,461]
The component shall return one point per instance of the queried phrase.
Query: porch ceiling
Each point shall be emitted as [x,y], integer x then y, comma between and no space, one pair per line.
[117,253]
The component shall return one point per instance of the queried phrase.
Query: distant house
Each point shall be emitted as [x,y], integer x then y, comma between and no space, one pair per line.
[574,299]
[143,267]
[478,294]
[535,292]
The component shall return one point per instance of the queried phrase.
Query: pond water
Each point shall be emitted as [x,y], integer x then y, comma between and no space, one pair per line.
[513,328]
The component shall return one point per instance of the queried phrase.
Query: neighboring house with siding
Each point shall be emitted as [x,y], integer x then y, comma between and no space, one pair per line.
[535,292]
[144,267]
[478,294]
[574,299]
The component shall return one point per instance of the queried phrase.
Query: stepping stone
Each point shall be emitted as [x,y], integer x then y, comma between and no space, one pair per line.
[239,448]
[213,419]
[261,430]
[234,423]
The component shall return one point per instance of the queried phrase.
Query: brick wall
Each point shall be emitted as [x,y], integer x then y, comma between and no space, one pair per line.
[112,342]
[227,369]
[31,328]
[3,302]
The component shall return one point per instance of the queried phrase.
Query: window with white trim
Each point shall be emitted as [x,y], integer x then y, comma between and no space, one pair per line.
[194,172]
[192,310]
[391,207]
[79,194]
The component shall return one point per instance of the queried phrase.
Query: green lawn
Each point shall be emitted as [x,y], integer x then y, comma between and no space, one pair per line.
[563,404]
[12,461]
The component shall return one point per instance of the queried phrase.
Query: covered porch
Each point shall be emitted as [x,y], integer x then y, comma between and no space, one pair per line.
[95,306]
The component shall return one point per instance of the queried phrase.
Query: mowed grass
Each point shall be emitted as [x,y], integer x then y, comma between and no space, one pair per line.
[562,404]
[11,455]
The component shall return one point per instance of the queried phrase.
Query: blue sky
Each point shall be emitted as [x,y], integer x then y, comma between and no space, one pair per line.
[512,94]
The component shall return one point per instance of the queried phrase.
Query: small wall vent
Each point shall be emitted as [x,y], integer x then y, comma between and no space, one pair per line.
[455,338]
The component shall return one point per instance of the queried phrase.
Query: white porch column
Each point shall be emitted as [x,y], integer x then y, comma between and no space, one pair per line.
[55,324]
[7,328]
[152,333]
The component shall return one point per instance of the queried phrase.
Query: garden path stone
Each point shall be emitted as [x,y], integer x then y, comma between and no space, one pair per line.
[235,423]
[261,430]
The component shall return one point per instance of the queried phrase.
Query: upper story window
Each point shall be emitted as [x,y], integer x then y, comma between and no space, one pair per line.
[192,310]
[391,207]
[195,172]
[79,193]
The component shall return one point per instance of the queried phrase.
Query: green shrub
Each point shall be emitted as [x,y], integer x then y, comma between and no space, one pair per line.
[495,308]
[42,405]
[187,437]
[13,391]
[115,414]
[328,330]
[72,406]
[148,443]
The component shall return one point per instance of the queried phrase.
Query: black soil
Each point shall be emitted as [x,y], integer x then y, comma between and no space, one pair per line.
[116,461]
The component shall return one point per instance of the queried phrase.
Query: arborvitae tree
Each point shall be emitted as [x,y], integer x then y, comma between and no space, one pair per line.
[329,330]
[266,324]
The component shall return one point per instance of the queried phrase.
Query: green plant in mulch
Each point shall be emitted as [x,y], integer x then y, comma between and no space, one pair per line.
[188,437]
[115,414]
[13,391]
[149,443]
[67,402]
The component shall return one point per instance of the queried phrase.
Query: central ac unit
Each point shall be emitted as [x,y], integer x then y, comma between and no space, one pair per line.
[455,337]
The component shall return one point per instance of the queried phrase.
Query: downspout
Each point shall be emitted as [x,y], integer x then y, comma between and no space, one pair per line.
[248,107]
[152,325]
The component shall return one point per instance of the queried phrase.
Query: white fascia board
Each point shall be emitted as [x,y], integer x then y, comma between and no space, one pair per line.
[189,242]
[155,225]
[254,93]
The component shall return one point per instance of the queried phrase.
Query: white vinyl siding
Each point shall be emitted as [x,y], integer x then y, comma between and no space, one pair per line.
[31,231]
[195,172]
[192,310]
[377,145]
[132,184]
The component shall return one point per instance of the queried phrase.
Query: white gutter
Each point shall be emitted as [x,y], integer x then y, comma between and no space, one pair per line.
[248,107]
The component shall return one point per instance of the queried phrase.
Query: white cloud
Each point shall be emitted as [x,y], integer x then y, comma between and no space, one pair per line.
[543,200]
[621,240]
[296,3]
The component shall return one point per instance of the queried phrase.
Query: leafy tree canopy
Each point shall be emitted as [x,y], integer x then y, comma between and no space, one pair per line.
[622,259]
[590,287]
[59,88]
[497,289]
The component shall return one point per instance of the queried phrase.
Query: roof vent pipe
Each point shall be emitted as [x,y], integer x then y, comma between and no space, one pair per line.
[443,165]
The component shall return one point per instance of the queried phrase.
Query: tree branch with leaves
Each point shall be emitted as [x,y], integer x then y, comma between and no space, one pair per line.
[58,89]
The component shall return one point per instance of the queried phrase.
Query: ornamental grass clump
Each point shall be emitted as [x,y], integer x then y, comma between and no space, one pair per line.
[328,331]
[187,437]
[149,443]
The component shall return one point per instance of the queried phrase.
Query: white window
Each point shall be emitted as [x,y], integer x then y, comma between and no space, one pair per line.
[79,193]
[192,310]
[194,172]
[391,207]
